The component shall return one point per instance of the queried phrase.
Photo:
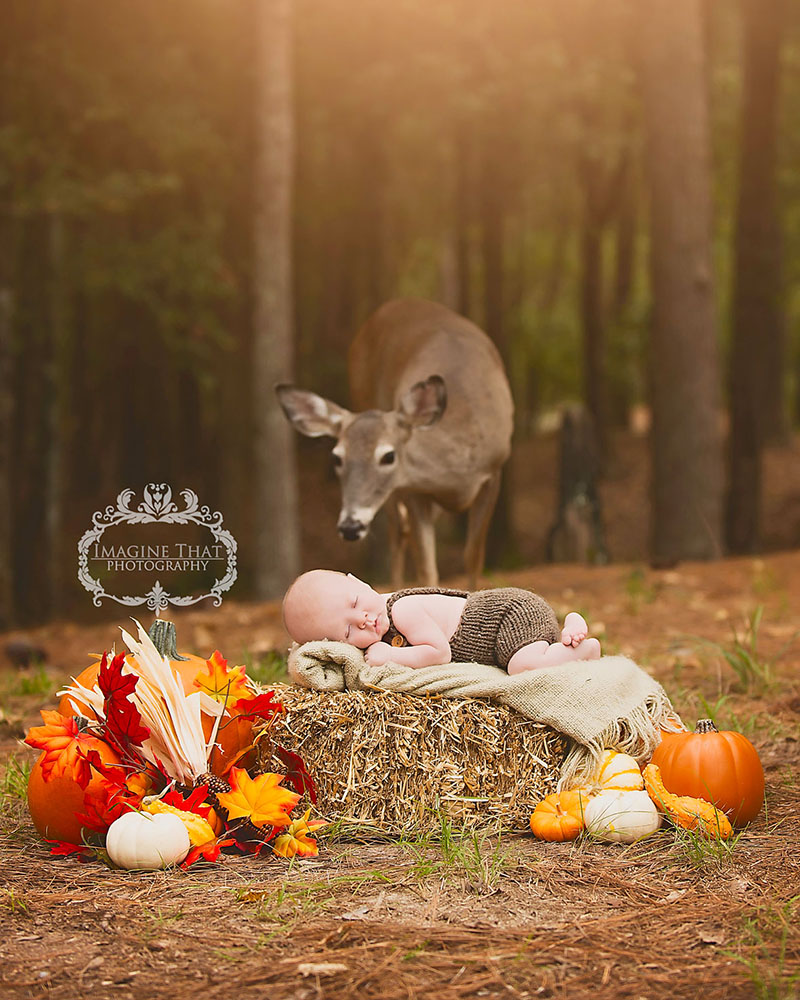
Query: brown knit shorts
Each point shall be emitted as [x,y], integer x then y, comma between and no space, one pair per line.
[497,623]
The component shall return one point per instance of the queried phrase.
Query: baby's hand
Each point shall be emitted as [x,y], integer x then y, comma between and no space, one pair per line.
[575,629]
[378,653]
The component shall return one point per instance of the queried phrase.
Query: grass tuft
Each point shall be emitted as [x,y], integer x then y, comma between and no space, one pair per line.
[755,674]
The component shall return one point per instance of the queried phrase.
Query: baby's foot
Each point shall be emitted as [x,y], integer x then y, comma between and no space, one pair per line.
[575,629]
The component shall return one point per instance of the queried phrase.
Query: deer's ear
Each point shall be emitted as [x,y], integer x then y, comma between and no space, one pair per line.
[424,403]
[309,413]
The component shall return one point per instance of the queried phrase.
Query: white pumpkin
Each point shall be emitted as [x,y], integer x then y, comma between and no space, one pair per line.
[617,772]
[139,840]
[622,817]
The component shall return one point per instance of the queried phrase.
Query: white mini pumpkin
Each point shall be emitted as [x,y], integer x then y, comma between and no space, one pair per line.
[139,840]
[616,772]
[622,817]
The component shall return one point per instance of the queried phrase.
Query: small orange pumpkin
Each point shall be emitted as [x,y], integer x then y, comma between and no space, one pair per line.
[721,767]
[559,816]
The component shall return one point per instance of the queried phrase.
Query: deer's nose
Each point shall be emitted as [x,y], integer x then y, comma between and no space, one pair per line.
[351,530]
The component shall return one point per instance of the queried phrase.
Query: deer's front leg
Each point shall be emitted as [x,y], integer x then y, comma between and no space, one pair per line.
[397,521]
[421,515]
[480,515]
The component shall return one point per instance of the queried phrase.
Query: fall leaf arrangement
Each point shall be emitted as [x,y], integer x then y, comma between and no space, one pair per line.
[155,758]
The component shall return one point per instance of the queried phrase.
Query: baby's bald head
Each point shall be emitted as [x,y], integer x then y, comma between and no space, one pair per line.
[324,604]
[303,600]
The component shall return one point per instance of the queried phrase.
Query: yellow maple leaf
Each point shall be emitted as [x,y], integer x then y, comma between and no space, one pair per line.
[262,800]
[221,682]
[296,840]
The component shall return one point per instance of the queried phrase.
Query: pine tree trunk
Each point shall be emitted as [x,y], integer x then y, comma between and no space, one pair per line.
[684,363]
[57,377]
[7,609]
[592,306]
[276,532]
[757,363]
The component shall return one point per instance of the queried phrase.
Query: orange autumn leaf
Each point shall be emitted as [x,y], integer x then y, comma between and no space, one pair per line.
[224,684]
[262,800]
[60,739]
[296,840]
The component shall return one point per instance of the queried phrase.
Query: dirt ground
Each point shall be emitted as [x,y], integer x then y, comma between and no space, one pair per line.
[507,916]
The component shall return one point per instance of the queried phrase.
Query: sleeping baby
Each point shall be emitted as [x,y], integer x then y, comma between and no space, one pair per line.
[507,627]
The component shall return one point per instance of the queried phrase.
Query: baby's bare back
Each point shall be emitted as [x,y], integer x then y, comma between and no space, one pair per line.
[444,609]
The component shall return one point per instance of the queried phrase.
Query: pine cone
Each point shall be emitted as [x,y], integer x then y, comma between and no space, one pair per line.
[216,786]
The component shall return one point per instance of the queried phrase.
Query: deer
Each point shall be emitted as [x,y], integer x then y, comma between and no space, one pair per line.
[430,430]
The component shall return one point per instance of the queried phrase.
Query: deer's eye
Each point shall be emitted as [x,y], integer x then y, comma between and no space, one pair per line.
[387,458]
[338,462]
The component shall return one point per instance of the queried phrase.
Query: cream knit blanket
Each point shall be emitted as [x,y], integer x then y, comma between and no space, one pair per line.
[598,704]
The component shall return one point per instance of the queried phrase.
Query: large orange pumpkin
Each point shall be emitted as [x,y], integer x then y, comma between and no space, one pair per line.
[54,804]
[720,767]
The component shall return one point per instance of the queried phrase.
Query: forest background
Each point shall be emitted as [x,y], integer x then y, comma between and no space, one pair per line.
[201,198]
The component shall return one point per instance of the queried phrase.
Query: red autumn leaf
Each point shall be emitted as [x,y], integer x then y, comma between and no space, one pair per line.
[251,843]
[61,848]
[262,706]
[108,803]
[208,852]
[296,774]
[123,724]
[196,802]
[115,774]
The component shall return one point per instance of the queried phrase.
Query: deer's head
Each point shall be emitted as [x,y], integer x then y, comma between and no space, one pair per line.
[369,451]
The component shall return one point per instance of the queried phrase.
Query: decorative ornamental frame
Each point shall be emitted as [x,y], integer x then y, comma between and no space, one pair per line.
[157,506]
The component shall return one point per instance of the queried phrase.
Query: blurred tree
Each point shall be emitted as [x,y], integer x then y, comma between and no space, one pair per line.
[757,364]
[684,364]
[277,552]
[7,601]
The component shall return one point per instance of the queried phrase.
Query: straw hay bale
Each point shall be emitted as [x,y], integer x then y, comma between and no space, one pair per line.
[396,762]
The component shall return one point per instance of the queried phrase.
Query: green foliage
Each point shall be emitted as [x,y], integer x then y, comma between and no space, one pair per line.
[462,853]
[266,670]
[754,672]
[768,939]
[14,787]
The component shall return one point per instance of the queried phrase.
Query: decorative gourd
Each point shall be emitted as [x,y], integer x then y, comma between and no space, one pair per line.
[559,816]
[690,813]
[200,830]
[720,767]
[616,772]
[622,816]
[165,640]
[141,841]
[56,803]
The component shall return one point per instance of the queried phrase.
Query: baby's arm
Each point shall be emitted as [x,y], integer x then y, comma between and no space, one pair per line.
[428,644]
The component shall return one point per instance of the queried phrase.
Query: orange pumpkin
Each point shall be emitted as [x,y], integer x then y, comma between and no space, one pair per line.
[54,803]
[721,767]
[559,816]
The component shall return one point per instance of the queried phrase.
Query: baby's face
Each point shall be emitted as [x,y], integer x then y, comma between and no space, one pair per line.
[347,610]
